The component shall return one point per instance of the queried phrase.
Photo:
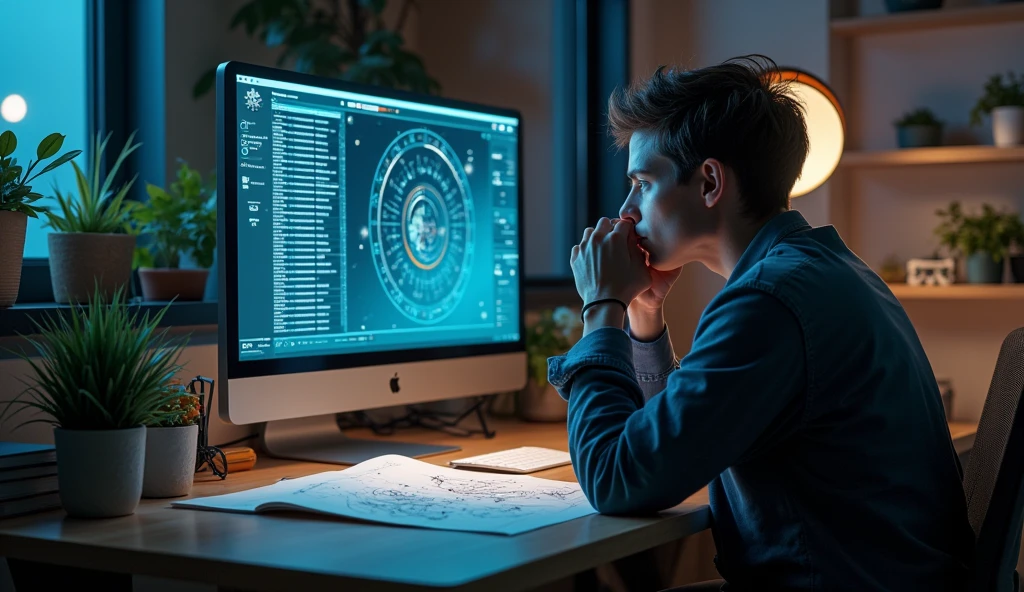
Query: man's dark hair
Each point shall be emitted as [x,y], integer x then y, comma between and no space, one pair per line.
[738,112]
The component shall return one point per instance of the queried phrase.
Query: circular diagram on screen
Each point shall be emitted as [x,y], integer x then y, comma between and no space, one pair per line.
[421,221]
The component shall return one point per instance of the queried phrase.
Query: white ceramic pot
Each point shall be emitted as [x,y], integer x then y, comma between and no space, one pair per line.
[1008,126]
[99,472]
[170,461]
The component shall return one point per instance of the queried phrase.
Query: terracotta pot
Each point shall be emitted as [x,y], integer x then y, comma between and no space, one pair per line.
[12,251]
[161,285]
[541,403]
[80,261]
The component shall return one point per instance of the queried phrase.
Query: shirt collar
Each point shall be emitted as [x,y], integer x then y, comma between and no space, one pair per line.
[771,234]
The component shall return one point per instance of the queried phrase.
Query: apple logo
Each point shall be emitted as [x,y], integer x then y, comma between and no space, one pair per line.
[394,383]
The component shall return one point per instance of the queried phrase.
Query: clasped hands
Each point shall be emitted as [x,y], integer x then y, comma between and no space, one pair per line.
[609,263]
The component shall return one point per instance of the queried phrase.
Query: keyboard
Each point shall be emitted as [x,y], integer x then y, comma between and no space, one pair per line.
[522,460]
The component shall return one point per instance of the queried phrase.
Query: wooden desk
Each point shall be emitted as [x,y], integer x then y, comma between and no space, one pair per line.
[298,551]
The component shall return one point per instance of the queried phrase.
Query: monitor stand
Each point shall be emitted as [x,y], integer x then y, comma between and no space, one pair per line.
[319,439]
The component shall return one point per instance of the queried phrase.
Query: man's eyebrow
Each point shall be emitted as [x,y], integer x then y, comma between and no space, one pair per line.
[638,171]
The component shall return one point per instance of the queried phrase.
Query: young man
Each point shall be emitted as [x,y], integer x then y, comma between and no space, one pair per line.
[806,401]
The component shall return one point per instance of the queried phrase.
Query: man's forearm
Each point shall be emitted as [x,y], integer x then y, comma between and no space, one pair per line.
[646,324]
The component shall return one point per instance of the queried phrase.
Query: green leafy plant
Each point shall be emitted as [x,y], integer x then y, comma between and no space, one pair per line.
[554,333]
[999,94]
[991,232]
[181,220]
[100,367]
[97,209]
[922,116]
[16,193]
[346,39]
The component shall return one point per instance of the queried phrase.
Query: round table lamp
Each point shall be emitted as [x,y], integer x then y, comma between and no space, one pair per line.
[826,128]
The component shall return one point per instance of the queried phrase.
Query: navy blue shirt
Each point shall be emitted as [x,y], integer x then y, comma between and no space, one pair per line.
[808,407]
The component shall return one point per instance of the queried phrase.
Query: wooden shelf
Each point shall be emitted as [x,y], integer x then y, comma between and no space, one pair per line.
[959,292]
[922,20]
[932,156]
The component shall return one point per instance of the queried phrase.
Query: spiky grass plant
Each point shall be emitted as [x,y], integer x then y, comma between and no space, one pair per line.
[97,208]
[100,367]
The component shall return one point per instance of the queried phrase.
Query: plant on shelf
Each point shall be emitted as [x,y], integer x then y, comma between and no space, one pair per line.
[180,221]
[17,204]
[918,129]
[1016,232]
[1004,99]
[983,239]
[552,333]
[334,38]
[99,374]
[171,446]
[93,243]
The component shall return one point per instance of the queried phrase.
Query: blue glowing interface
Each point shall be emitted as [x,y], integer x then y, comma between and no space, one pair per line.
[371,224]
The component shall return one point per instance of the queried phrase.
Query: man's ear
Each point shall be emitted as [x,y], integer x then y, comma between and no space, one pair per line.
[712,178]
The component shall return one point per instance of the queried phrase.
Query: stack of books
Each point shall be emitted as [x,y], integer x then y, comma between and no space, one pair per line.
[28,479]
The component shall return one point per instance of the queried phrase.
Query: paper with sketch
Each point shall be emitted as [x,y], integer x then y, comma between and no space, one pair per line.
[400,490]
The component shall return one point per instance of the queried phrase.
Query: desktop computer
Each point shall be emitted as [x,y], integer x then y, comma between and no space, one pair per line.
[369,255]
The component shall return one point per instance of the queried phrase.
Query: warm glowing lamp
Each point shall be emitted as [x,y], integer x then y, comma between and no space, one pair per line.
[826,128]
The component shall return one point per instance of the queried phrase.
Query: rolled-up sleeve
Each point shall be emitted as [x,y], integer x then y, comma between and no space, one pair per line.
[740,388]
[653,362]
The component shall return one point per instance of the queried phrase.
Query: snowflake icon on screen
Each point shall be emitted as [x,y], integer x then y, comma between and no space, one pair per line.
[253,100]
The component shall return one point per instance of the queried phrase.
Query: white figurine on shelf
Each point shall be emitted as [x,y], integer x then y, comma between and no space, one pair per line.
[931,272]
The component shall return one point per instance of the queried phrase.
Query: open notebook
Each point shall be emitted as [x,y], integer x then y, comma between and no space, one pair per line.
[403,491]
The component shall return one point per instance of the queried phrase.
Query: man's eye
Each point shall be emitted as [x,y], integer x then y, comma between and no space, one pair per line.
[643,185]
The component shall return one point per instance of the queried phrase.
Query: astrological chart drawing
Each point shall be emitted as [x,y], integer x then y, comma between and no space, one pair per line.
[399,490]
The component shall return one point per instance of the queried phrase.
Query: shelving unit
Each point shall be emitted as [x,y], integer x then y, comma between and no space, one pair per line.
[941,18]
[931,156]
[959,292]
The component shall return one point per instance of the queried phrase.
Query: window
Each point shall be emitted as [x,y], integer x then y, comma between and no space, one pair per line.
[44,89]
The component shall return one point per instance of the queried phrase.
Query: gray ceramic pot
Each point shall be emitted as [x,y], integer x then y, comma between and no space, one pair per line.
[918,136]
[170,461]
[78,261]
[99,472]
[981,269]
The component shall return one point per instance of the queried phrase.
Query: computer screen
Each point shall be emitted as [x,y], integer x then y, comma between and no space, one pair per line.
[367,223]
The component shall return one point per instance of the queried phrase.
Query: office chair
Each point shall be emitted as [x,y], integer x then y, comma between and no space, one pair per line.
[995,474]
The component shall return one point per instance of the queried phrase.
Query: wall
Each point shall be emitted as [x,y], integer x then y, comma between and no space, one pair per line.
[699,33]
[500,53]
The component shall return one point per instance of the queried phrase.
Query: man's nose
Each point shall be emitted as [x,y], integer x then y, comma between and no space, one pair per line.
[628,211]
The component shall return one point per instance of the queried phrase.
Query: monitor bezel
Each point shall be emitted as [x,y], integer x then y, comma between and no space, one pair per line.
[227,230]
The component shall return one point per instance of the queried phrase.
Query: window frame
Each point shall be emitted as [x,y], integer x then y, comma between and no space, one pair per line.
[124,92]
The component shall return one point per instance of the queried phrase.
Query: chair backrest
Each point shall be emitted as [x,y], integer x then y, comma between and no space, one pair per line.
[995,473]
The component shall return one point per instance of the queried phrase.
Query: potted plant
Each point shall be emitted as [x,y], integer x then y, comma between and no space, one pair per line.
[92,243]
[984,240]
[1016,232]
[551,333]
[171,444]
[1005,101]
[99,375]
[918,129]
[352,42]
[892,271]
[180,222]
[16,199]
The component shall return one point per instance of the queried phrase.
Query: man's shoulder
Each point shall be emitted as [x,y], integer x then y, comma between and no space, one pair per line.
[811,266]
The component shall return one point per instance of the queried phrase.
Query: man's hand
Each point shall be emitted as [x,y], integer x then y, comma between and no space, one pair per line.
[646,312]
[608,264]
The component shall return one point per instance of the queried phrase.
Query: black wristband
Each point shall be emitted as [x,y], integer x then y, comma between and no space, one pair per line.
[590,305]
